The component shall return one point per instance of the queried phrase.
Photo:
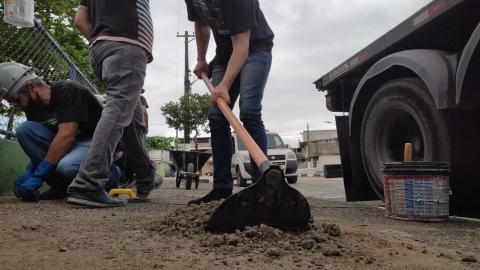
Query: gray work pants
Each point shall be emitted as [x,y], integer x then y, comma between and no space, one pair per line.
[121,67]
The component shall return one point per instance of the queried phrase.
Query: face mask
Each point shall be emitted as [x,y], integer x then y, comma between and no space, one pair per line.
[34,108]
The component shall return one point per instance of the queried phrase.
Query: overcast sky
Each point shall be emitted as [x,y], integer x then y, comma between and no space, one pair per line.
[311,38]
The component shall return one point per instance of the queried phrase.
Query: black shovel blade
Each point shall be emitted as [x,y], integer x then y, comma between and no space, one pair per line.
[270,201]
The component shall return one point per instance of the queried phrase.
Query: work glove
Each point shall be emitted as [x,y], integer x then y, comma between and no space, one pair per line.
[28,190]
[22,178]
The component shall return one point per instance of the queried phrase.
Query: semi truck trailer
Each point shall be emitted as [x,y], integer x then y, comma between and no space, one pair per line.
[419,83]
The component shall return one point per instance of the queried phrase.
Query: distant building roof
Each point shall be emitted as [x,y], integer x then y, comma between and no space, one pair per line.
[319,135]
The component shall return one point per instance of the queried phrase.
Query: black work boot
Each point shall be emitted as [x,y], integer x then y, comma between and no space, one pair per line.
[97,198]
[215,194]
[53,194]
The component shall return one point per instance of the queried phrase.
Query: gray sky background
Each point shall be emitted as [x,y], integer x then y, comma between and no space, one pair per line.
[311,38]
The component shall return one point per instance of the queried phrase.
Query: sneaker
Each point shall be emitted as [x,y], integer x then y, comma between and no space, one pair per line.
[215,194]
[53,194]
[97,198]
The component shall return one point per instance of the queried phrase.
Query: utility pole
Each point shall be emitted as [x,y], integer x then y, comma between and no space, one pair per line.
[176,139]
[186,82]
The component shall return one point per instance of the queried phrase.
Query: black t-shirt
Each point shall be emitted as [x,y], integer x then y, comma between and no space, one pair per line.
[121,20]
[72,102]
[227,18]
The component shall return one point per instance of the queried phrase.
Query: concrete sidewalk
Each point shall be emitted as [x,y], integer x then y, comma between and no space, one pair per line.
[310,172]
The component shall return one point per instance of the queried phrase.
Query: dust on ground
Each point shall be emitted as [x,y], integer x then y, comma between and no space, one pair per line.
[167,234]
[256,242]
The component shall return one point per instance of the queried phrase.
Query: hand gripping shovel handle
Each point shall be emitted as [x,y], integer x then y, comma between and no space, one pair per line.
[245,137]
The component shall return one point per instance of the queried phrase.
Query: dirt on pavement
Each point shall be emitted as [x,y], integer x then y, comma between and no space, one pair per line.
[167,234]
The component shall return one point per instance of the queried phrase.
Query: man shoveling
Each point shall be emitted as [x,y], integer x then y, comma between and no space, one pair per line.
[239,71]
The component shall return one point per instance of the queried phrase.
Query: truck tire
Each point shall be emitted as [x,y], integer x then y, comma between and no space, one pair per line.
[241,182]
[401,111]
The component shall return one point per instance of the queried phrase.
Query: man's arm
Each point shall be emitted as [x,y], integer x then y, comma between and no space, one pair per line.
[62,142]
[82,22]
[202,34]
[27,188]
[241,46]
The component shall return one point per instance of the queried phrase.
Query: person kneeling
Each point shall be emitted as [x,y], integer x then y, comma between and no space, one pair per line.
[61,119]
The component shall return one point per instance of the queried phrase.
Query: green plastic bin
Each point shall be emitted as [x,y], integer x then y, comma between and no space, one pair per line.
[12,163]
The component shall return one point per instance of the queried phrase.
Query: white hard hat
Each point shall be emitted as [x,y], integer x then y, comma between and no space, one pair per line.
[13,77]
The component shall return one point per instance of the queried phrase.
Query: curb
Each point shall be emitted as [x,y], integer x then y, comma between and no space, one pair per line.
[311,175]
[204,180]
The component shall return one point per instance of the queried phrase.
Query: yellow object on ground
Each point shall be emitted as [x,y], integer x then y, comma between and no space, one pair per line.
[123,191]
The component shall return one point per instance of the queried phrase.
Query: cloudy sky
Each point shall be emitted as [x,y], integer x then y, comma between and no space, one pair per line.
[312,37]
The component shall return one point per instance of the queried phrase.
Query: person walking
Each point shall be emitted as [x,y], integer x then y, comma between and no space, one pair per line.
[121,36]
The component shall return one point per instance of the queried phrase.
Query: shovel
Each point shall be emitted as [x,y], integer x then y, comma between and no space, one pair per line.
[270,200]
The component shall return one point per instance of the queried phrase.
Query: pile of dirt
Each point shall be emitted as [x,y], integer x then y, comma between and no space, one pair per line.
[325,245]
[261,240]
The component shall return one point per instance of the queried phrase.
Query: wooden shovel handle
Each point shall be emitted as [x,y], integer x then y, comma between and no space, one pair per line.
[255,151]
[407,153]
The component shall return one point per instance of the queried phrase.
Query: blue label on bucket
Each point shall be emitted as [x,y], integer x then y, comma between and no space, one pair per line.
[419,196]
[409,203]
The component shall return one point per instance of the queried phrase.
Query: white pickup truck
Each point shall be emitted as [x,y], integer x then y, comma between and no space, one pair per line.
[278,154]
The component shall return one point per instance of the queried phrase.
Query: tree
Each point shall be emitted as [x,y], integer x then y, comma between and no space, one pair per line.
[57,18]
[20,45]
[161,143]
[190,111]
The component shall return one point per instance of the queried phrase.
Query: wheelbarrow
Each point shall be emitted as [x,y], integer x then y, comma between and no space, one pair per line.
[189,166]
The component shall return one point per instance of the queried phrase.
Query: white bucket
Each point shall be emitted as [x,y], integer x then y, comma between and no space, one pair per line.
[19,12]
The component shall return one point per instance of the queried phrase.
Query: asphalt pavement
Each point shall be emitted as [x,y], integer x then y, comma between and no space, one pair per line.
[321,188]
[312,186]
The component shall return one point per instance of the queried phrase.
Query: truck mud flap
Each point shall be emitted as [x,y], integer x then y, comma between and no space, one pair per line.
[357,187]
[332,170]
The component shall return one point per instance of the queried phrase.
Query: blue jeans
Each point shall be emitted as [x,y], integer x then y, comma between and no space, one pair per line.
[35,139]
[249,86]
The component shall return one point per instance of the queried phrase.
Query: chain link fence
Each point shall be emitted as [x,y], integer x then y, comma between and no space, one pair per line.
[7,123]
[35,47]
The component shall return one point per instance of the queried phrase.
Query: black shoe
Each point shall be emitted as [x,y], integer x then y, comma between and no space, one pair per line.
[144,186]
[215,194]
[53,194]
[98,198]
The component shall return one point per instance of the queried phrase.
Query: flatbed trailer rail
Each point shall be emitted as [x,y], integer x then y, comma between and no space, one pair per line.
[387,43]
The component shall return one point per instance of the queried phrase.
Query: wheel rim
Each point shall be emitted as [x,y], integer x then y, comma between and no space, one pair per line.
[390,137]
